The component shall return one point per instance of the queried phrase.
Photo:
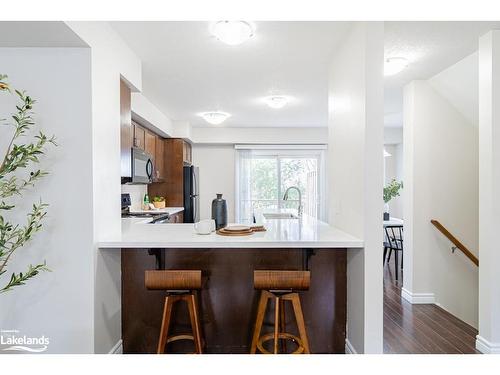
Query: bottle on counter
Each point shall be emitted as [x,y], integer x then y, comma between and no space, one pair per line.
[145,202]
[219,212]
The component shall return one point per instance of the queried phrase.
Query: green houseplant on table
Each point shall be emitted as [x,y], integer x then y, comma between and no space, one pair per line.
[392,190]
[15,160]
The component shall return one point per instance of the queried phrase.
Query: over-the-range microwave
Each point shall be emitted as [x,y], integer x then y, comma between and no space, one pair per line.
[142,167]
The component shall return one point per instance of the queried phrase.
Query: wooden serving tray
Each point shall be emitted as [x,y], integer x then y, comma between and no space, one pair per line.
[223,232]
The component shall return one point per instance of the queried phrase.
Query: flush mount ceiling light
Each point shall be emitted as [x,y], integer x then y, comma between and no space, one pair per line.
[394,65]
[232,32]
[215,118]
[276,101]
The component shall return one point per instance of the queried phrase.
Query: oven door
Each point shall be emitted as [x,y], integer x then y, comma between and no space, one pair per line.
[142,167]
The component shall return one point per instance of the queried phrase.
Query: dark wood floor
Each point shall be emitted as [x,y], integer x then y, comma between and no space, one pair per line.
[421,329]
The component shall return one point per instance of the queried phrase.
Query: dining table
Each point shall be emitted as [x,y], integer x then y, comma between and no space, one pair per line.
[393,221]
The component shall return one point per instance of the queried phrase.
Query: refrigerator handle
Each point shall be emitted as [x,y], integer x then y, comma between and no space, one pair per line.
[195,187]
[193,202]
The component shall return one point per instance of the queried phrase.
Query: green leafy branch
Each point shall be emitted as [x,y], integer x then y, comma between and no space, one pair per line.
[392,190]
[20,279]
[19,156]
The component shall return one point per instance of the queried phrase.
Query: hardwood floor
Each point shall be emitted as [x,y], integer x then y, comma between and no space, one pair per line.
[421,329]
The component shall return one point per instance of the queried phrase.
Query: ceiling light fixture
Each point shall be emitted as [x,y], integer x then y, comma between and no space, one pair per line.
[394,65]
[232,32]
[215,117]
[276,101]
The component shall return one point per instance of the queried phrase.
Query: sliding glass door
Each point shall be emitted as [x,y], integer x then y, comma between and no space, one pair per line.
[263,176]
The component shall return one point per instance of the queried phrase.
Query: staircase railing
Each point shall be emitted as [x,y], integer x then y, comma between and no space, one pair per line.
[456,242]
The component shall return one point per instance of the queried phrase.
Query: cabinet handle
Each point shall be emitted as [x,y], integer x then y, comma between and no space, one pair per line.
[135,142]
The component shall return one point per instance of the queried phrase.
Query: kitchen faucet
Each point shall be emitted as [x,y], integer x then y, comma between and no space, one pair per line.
[285,197]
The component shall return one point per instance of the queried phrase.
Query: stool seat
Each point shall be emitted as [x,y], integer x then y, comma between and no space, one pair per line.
[173,280]
[181,285]
[281,280]
[280,286]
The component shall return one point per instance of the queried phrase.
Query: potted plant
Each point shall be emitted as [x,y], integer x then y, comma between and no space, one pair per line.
[20,154]
[159,202]
[391,191]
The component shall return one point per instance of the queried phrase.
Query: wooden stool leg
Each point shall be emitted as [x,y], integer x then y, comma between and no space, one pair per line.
[299,316]
[276,323]
[165,323]
[195,323]
[282,324]
[261,310]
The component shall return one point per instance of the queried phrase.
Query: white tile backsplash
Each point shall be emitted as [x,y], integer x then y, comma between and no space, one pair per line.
[136,194]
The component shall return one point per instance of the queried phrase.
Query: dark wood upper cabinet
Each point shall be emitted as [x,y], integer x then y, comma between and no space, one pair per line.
[139,136]
[159,160]
[150,143]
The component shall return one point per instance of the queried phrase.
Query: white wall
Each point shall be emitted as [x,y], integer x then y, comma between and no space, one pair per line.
[137,193]
[356,174]
[58,304]
[441,182]
[183,129]
[145,113]
[393,135]
[224,135]
[111,60]
[213,152]
[488,340]
[217,175]
[459,85]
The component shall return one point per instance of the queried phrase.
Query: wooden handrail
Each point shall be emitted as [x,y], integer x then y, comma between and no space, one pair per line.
[456,242]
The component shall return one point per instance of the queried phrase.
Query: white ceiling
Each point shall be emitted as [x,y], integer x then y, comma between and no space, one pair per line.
[187,71]
[38,34]
[430,48]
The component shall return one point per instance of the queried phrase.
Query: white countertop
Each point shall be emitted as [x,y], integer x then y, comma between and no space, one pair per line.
[305,232]
[157,211]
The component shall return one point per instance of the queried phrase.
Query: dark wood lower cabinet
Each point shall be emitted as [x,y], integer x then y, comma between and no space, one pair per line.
[228,301]
[177,218]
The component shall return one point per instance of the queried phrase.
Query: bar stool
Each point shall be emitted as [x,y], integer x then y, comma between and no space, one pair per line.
[280,286]
[180,286]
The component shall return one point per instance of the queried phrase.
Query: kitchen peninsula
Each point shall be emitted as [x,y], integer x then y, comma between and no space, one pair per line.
[228,300]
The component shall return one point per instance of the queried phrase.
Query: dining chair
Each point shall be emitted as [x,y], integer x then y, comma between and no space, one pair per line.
[394,241]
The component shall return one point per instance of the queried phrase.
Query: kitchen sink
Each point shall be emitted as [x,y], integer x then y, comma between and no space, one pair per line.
[161,219]
[280,215]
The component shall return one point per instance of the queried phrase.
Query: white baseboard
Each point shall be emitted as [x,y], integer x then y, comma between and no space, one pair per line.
[349,349]
[118,348]
[418,298]
[486,347]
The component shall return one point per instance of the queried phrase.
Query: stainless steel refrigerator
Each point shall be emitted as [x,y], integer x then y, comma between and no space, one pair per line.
[191,194]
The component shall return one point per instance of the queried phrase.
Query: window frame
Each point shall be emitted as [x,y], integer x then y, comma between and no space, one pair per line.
[279,152]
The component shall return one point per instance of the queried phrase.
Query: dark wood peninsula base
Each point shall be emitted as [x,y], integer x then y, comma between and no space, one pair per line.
[228,302]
